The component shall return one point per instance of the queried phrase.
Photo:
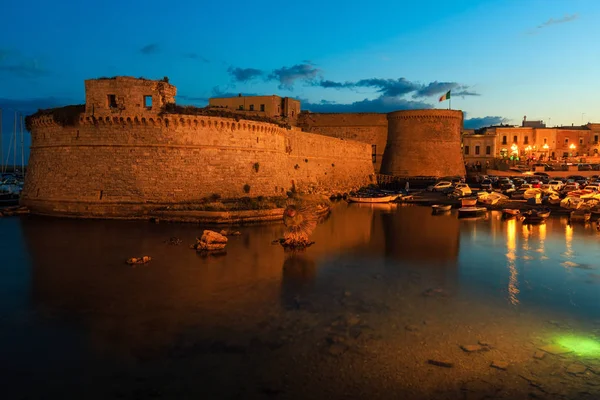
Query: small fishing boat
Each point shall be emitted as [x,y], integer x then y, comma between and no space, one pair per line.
[571,203]
[554,199]
[580,216]
[468,201]
[533,193]
[465,212]
[440,208]
[491,198]
[371,199]
[535,216]
[510,212]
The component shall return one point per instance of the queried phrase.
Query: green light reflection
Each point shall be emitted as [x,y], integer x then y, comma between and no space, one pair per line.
[580,345]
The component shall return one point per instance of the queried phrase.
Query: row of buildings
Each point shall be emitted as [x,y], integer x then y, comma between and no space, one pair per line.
[532,141]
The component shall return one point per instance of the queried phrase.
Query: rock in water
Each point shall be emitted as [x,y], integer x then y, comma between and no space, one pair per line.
[300,222]
[212,237]
[210,241]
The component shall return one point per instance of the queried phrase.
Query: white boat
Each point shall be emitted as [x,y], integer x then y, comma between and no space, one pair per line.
[465,212]
[380,199]
[491,198]
[571,203]
[532,194]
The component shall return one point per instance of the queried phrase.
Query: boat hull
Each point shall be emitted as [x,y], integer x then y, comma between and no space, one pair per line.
[466,212]
[383,199]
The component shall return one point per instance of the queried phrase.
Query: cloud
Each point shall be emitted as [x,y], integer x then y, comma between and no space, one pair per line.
[16,64]
[196,56]
[244,74]
[464,93]
[476,123]
[435,88]
[552,21]
[148,49]
[287,76]
[381,104]
[399,87]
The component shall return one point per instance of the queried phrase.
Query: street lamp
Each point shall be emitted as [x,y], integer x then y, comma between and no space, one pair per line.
[546,147]
[572,148]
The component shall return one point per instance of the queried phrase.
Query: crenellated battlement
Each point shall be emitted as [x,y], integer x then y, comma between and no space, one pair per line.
[425,114]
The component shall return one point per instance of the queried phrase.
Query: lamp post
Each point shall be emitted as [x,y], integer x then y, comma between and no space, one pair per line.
[572,148]
[546,147]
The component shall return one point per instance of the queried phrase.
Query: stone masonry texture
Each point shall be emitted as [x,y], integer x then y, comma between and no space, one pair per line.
[113,163]
[424,143]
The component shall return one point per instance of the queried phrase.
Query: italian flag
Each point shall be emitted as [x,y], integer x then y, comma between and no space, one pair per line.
[445,97]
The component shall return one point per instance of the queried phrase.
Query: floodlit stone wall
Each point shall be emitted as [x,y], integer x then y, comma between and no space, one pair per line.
[119,165]
[424,143]
[370,128]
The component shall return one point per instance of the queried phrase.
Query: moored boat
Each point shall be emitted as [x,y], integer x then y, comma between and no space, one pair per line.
[371,199]
[536,215]
[571,203]
[580,216]
[465,212]
[510,212]
[468,201]
[439,208]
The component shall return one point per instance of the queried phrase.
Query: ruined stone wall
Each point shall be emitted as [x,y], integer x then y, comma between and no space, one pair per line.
[424,143]
[370,128]
[117,165]
[129,96]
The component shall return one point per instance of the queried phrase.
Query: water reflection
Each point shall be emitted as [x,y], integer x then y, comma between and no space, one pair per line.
[80,303]
[511,256]
[414,235]
[299,273]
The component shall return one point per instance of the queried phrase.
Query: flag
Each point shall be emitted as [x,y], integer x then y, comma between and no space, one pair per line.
[446,96]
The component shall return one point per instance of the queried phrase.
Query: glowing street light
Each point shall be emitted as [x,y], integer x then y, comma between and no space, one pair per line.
[514,148]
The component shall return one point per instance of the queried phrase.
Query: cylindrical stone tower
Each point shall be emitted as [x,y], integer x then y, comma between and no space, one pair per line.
[424,143]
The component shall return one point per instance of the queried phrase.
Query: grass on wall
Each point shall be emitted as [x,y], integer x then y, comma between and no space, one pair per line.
[65,116]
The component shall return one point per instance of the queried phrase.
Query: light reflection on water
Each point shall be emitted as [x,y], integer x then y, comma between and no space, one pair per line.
[66,281]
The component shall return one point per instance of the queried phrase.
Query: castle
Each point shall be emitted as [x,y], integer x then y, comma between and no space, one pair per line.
[130,149]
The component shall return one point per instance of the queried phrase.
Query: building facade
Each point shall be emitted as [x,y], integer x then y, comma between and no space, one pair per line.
[267,106]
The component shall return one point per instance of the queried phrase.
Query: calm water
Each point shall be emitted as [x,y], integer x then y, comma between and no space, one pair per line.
[357,315]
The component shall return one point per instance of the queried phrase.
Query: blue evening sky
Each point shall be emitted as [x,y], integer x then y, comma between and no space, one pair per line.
[502,59]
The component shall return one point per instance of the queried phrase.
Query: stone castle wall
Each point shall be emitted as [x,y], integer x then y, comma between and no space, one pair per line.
[118,165]
[424,143]
[370,128]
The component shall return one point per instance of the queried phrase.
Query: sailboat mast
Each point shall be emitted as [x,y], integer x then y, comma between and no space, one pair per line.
[1,145]
[15,138]
[22,150]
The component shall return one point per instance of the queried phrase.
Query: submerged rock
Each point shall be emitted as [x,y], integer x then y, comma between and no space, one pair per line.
[441,363]
[139,260]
